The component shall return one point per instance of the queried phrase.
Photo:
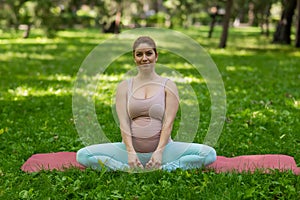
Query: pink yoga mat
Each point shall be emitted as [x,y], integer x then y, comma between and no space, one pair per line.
[51,161]
[250,163]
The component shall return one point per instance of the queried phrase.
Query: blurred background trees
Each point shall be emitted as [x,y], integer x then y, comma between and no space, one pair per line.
[110,16]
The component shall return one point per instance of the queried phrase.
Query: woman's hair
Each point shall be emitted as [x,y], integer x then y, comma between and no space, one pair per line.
[144,39]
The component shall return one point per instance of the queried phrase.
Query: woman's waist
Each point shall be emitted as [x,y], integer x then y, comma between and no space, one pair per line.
[145,127]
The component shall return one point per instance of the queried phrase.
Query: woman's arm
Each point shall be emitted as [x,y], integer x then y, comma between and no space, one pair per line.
[171,107]
[121,108]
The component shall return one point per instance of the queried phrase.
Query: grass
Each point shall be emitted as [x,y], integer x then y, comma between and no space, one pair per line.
[262,84]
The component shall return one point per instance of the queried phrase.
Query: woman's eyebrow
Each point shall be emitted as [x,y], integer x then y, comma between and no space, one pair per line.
[142,52]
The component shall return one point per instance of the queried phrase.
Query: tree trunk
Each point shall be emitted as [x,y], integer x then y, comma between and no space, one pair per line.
[282,34]
[226,21]
[267,26]
[298,25]
[158,6]
[251,15]
[118,21]
[214,12]
[264,21]
[27,31]
[212,25]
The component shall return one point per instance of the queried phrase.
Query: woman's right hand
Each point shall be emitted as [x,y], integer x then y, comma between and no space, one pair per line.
[133,161]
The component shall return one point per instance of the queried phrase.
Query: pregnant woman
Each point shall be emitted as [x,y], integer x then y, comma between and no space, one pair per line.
[146,106]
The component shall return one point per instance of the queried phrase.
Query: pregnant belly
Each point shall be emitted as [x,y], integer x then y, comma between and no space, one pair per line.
[145,134]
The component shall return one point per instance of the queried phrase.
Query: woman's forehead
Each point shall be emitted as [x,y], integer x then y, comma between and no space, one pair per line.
[143,49]
[144,46]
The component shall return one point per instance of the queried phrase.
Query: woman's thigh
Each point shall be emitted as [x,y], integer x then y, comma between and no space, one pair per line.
[116,151]
[176,150]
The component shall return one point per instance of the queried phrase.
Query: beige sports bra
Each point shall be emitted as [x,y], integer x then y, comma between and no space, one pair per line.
[146,117]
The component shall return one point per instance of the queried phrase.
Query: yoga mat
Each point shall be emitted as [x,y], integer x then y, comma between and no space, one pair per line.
[251,163]
[51,161]
[248,163]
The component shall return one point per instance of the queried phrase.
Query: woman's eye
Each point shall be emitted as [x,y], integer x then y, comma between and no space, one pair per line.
[149,53]
[139,54]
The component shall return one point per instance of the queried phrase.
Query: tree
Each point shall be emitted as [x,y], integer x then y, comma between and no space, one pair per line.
[110,12]
[298,25]
[282,34]
[262,12]
[26,16]
[12,12]
[48,15]
[214,12]
[180,12]
[225,26]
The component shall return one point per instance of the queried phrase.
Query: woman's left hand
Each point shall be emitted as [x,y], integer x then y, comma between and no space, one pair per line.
[155,160]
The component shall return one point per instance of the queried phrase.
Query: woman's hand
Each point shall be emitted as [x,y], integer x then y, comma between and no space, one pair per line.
[133,161]
[155,160]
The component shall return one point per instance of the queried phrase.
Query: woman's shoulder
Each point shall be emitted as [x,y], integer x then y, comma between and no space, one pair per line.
[123,85]
[169,83]
[125,82]
[171,88]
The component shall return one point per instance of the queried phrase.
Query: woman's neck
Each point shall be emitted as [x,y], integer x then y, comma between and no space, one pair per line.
[149,76]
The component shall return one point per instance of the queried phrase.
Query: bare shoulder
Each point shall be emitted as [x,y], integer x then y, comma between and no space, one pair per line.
[171,87]
[170,84]
[122,87]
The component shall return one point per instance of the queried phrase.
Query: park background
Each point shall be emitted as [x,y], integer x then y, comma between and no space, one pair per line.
[253,43]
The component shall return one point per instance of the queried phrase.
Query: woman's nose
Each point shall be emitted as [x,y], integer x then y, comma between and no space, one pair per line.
[145,57]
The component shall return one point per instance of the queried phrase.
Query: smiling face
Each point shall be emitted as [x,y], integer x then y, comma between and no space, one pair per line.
[144,51]
[144,54]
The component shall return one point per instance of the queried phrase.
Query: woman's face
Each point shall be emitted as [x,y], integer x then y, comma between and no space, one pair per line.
[144,54]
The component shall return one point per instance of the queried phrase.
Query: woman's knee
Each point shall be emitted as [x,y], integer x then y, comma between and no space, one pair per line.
[82,156]
[211,156]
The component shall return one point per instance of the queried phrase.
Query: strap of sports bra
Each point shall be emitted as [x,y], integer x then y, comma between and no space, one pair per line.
[165,82]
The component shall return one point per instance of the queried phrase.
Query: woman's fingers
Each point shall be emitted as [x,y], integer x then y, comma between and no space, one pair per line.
[149,164]
[136,164]
[153,164]
[139,164]
[133,161]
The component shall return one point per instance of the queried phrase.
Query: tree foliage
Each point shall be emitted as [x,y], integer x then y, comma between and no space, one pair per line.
[112,15]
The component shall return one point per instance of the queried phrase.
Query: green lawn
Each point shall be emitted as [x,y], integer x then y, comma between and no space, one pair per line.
[262,84]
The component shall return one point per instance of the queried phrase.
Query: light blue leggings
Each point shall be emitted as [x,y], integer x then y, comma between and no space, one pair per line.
[176,155]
